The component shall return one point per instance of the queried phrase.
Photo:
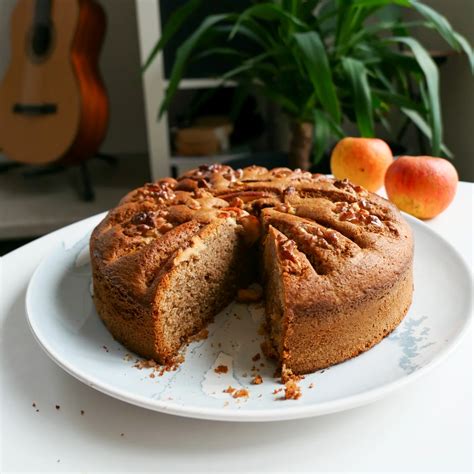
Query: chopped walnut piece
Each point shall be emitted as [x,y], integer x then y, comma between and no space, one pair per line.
[356,212]
[187,184]
[236,202]
[288,253]
[242,393]
[257,380]
[221,369]
[252,229]
[287,208]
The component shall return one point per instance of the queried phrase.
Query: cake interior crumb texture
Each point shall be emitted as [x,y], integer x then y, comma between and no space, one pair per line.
[335,262]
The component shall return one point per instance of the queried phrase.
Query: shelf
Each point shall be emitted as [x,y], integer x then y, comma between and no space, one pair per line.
[202,83]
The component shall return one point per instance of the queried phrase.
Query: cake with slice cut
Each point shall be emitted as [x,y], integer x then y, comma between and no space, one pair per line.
[335,262]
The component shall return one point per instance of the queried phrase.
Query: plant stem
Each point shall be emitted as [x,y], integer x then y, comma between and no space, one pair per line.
[300,145]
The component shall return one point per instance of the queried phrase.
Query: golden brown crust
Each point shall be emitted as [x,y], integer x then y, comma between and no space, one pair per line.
[339,257]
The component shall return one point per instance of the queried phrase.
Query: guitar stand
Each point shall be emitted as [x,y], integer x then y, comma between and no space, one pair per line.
[86,191]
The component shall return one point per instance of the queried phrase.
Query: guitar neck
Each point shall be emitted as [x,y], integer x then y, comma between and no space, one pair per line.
[42,13]
[42,35]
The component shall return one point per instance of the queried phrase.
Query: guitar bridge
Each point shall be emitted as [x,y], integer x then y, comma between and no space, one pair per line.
[34,109]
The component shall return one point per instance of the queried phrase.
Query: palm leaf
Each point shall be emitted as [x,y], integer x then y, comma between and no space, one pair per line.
[357,74]
[380,3]
[316,62]
[173,24]
[398,100]
[444,28]
[430,72]
[324,130]
[184,53]
[322,135]
[270,12]
[424,127]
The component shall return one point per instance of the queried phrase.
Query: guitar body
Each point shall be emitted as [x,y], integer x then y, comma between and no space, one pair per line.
[53,105]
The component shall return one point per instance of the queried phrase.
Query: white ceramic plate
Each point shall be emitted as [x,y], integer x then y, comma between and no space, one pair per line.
[64,321]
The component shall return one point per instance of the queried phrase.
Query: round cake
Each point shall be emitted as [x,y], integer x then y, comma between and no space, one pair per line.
[335,262]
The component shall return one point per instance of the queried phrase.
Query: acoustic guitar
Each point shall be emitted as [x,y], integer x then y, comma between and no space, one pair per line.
[53,103]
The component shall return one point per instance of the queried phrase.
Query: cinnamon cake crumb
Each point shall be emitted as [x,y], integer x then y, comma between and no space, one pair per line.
[256,357]
[57,407]
[241,393]
[105,348]
[229,389]
[145,364]
[82,412]
[277,390]
[257,380]
[200,336]
[221,369]
[311,385]
[292,390]
[249,295]
[287,375]
[159,370]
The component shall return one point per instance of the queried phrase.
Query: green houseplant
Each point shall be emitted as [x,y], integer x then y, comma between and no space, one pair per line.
[323,62]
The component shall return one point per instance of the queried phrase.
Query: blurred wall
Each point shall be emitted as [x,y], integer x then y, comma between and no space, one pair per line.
[120,66]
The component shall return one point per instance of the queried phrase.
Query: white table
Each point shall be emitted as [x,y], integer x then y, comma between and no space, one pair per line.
[426,426]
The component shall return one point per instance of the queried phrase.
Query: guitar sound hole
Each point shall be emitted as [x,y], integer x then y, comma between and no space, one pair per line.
[40,42]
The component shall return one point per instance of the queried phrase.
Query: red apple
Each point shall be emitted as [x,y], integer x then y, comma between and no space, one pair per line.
[421,185]
[363,161]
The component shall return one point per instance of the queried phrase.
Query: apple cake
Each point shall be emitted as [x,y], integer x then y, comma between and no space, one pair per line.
[335,262]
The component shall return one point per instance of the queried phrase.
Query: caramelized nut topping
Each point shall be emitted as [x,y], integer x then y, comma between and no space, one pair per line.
[288,253]
[161,191]
[237,202]
[145,218]
[323,238]
[356,213]
[346,185]
[281,172]
[209,172]
[252,229]
[285,207]
[187,184]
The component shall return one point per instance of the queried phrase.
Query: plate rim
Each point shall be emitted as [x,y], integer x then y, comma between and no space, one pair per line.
[254,415]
